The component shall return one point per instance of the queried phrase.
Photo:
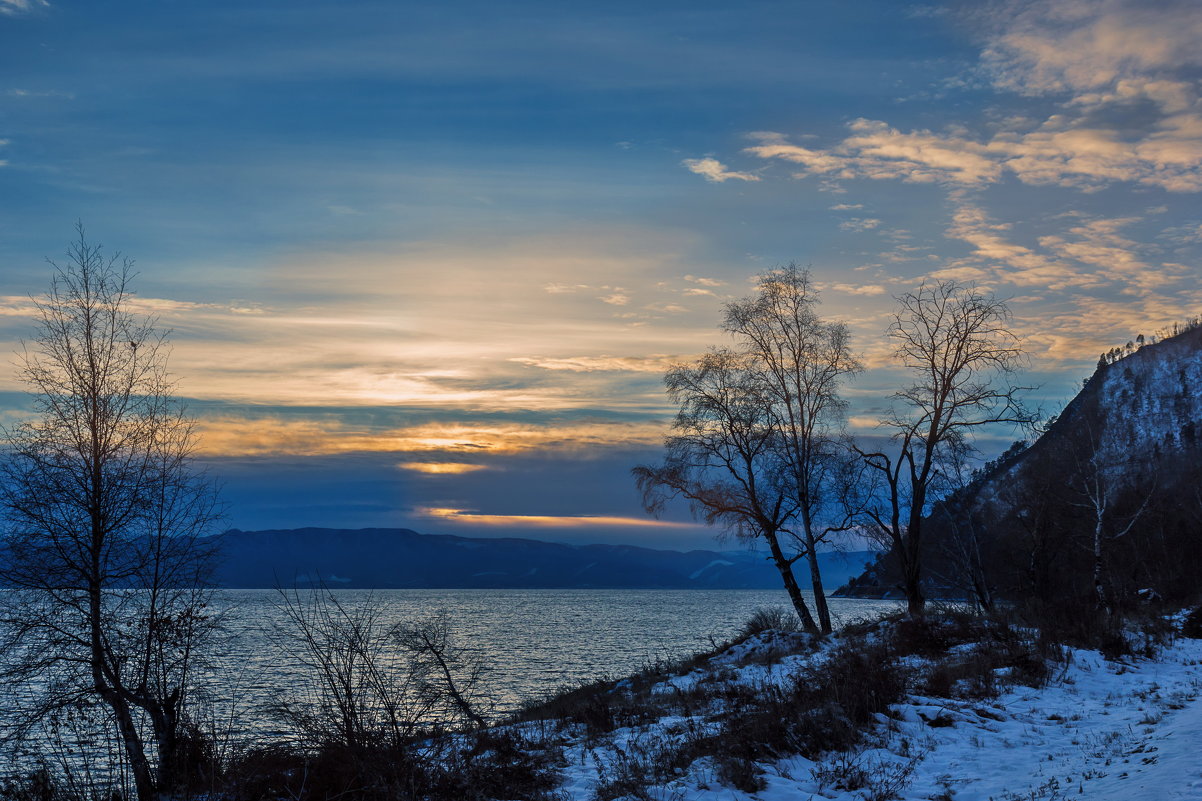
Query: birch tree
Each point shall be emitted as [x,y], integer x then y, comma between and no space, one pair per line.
[724,459]
[803,360]
[104,518]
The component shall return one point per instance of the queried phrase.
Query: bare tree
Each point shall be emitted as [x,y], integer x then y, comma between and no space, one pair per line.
[803,360]
[725,460]
[957,343]
[1102,476]
[365,683]
[104,515]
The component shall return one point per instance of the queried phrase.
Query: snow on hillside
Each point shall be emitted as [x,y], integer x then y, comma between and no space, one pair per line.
[1100,730]
[1152,396]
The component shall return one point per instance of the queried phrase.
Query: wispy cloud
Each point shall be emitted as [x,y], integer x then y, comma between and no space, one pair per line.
[32,93]
[1086,253]
[457,324]
[774,145]
[860,224]
[14,7]
[442,468]
[1075,45]
[713,170]
[589,364]
[859,289]
[276,435]
[475,518]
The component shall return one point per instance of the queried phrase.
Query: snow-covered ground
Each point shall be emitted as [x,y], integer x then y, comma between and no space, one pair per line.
[1126,730]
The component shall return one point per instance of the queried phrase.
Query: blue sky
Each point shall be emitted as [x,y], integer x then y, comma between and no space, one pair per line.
[425,263]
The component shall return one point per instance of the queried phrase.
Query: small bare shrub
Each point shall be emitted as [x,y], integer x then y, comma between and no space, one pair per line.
[878,780]
[844,771]
[769,618]
[478,766]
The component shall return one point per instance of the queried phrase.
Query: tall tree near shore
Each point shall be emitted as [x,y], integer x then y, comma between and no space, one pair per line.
[757,446]
[104,514]
[803,360]
[957,344]
[723,457]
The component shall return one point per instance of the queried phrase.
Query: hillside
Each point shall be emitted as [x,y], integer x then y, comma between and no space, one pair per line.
[967,719]
[400,558]
[1121,461]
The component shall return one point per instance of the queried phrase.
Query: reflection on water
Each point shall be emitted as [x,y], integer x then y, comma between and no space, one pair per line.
[535,641]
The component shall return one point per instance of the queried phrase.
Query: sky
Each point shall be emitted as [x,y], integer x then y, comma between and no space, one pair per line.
[424,264]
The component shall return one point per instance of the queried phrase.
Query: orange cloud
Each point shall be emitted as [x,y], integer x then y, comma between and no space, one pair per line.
[442,468]
[263,436]
[543,521]
[716,172]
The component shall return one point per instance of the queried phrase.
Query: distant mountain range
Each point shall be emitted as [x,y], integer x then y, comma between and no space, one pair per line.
[399,558]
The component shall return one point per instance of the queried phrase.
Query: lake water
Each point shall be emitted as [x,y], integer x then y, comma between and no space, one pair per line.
[535,641]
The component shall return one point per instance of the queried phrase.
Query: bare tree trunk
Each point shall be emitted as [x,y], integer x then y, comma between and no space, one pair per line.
[1099,568]
[911,565]
[820,603]
[139,765]
[786,573]
[164,720]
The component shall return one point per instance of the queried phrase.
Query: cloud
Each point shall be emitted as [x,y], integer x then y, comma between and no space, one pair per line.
[710,282]
[14,7]
[716,172]
[774,145]
[859,224]
[436,323]
[564,289]
[879,151]
[995,256]
[35,93]
[17,306]
[1075,45]
[1089,325]
[1096,281]
[474,518]
[589,364]
[859,289]
[276,435]
[441,468]
[1127,107]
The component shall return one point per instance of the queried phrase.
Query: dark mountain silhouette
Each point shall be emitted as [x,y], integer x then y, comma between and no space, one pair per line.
[400,558]
[1122,464]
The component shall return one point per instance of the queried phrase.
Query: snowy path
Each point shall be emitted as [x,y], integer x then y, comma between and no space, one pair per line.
[1103,731]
